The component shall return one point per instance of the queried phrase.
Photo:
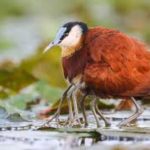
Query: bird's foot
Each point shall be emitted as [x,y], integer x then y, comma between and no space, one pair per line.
[73,122]
[132,119]
[127,124]
[77,119]
[50,119]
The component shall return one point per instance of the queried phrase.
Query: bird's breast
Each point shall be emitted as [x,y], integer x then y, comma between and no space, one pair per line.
[74,65]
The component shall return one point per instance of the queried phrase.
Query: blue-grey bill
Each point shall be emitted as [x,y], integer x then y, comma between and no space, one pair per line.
[48,47]
[56,41]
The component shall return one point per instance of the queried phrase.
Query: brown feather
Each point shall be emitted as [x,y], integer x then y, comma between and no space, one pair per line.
[120,67]
[75,64]
[112,64]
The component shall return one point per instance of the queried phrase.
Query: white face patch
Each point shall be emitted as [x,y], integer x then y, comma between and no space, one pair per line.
[73,38]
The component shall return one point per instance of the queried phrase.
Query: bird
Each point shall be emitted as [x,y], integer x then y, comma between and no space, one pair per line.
[104,63]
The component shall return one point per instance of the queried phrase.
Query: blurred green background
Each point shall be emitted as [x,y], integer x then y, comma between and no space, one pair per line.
[27,26]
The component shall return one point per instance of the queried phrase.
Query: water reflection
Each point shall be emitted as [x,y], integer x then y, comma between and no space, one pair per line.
[24,134]
[100,138]
[48,140]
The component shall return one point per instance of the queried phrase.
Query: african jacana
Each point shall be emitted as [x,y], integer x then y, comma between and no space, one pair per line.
[105,63]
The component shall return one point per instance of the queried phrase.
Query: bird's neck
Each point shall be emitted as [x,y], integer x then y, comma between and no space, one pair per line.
[68,51]
[74,64]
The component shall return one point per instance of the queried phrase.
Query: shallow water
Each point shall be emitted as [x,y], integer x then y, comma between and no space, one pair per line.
[19,133]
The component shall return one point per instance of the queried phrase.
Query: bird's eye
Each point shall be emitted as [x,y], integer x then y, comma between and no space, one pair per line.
[66,33]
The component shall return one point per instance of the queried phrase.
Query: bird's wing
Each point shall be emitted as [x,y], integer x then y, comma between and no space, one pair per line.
[119,65]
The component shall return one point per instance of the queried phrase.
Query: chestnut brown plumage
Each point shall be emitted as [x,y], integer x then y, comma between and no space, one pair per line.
[106,63]
[111,63]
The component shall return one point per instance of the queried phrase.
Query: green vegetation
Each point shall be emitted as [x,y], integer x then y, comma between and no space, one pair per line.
[30,81]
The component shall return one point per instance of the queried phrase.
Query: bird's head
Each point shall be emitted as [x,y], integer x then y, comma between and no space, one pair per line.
[69,37]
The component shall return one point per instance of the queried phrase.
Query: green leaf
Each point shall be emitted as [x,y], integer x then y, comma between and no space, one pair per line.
[15,117]
[15,79]
[48,92]
[3,112]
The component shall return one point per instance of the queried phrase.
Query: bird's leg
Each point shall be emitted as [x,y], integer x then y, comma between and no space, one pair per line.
[82,106]
[57,113]
[107,123]
[73,119]
[66,94]
[137,113]
[92,104]
[70,117]
[76,111]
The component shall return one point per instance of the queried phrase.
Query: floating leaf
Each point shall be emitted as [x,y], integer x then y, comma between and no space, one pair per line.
[48,92]
[15,117]
[20,101]
[15,79]
[3,113]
